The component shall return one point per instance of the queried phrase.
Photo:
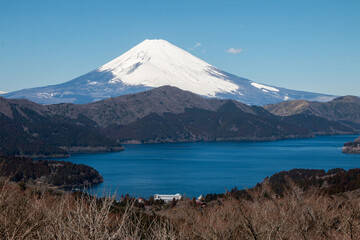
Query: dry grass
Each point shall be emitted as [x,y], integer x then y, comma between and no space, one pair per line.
[37,214]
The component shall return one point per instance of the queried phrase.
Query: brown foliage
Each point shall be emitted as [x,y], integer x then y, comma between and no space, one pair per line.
[39,214]
[297,215]
[34,213]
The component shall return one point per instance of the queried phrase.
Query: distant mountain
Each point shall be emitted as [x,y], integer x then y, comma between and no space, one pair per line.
[129,108]
[203,125]
[165,114]
[156,63]
[228,123]
[319,125]
[2,92]
[168,114]
[342,109]
[30,129]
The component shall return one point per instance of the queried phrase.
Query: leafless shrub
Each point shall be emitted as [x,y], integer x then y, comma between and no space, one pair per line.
[297,215]
[36,213]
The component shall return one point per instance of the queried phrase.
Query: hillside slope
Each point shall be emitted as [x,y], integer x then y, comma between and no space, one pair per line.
[165,114]
[345,109]
[30,129]
[129,108]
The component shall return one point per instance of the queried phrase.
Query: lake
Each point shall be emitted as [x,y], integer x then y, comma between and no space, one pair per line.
[211,167]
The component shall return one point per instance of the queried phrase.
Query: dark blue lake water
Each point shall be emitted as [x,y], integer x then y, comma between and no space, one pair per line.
[212,167]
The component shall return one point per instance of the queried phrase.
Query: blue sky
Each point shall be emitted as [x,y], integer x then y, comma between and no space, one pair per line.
[303,45]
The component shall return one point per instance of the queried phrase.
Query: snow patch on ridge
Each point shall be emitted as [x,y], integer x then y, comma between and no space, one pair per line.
[92,82]
[261,86]
[45,95]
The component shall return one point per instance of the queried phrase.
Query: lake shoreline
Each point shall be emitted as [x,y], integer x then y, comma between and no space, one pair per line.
[210,167]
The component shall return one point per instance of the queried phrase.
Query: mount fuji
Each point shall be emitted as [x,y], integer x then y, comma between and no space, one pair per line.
[156,63]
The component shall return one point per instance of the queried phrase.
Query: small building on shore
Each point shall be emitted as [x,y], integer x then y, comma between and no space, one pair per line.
[167,197]
[201,197]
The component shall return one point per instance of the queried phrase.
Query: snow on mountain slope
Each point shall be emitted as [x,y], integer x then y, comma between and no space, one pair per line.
[156,63]
[1,92]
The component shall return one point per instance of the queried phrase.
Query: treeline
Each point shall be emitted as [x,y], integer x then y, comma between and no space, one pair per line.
[57,173]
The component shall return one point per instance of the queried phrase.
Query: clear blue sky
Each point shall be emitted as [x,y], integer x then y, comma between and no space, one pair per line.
[304,45]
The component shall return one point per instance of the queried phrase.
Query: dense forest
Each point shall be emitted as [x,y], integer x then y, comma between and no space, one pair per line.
[227,123]
[57,173]
[29,130]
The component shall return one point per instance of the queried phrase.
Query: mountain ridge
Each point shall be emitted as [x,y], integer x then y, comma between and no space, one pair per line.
[164,114]
[345,109]
[158,100]
[30,129]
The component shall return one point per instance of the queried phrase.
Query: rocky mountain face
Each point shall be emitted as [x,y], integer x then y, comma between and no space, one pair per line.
[343,109]
[156,63]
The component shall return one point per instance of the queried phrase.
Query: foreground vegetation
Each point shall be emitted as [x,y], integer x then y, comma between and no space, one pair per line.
[297,210]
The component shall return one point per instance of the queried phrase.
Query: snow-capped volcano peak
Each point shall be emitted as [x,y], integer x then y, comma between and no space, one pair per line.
[155,63]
